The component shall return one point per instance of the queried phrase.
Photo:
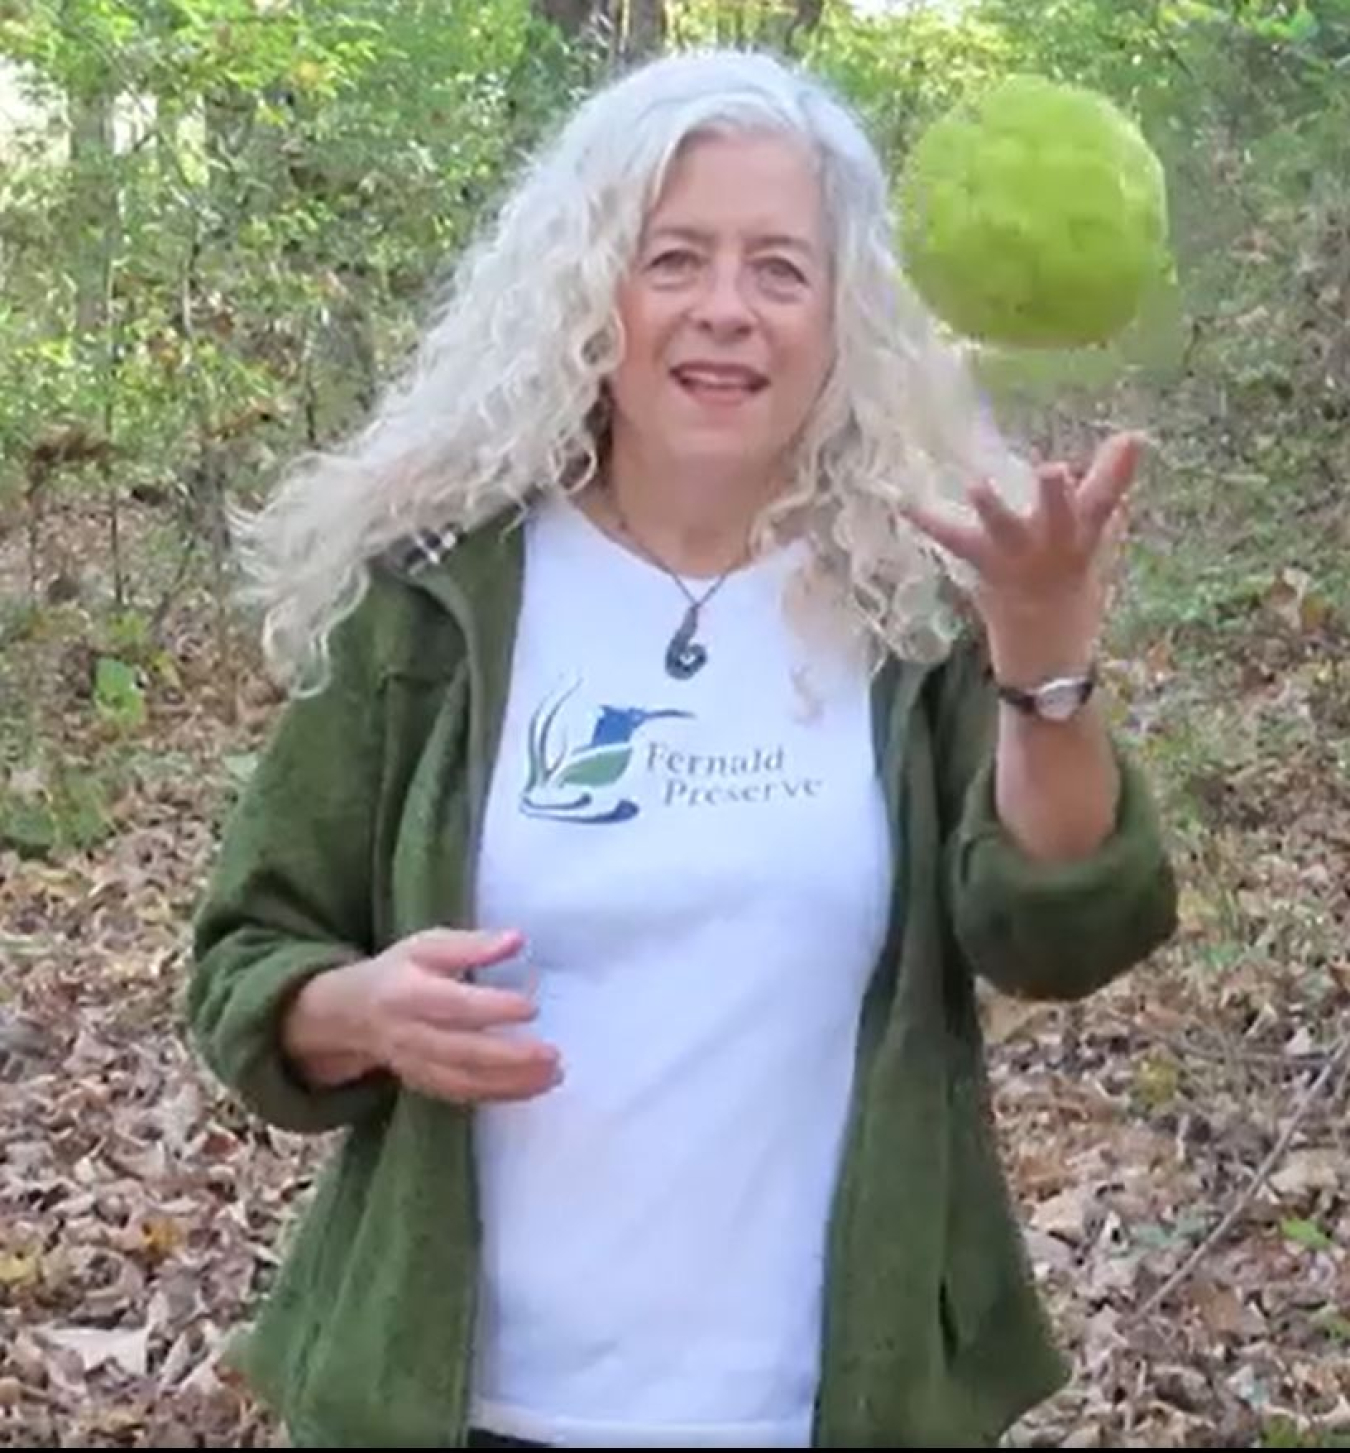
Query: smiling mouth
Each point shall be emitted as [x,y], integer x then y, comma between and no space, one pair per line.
[723,383]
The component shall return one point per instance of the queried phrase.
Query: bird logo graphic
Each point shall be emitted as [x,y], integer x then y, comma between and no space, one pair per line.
[578,784]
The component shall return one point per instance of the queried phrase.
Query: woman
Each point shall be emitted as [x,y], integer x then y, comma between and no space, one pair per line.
[618,877]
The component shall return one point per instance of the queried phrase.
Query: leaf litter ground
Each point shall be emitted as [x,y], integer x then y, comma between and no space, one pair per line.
[140,1213]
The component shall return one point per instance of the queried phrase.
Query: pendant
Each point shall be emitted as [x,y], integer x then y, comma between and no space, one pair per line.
[685,656]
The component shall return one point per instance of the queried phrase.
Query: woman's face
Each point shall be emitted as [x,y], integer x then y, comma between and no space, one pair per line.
[727,311]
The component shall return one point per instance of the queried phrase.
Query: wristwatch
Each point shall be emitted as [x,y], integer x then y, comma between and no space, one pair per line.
[1059,699]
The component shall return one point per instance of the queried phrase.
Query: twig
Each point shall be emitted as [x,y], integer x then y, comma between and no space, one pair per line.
[1239,1053]
[1228,1053]
[1339,1059]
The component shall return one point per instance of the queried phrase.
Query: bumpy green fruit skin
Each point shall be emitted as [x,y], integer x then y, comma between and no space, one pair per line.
[1034,215]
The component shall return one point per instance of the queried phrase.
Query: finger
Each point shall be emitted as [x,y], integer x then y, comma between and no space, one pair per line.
[453,1004]
[456,951]
[469,1087]
[432,1049]
[1108,479]
[478,1089]
[1006,529]
[1055,489]
[477,1066]
[481,1052]
[966,542]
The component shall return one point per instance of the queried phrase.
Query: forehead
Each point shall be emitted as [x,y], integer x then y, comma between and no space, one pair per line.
[750,183]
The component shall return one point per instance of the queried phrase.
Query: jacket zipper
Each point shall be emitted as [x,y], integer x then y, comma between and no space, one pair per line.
[449,595]
[894,726]
[445,588]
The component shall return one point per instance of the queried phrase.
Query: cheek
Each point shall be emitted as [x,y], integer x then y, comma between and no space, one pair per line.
[643,329]
[811,348]
[646,318]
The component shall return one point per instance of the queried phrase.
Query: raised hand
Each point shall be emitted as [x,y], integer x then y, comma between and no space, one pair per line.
[1041,576]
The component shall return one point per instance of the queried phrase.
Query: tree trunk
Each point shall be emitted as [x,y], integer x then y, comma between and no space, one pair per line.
[94,204]
[570,16]
[806,17]
[645,32]
[793,23]
[95,221]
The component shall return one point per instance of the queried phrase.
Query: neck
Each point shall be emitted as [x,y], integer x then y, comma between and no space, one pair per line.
[695,520]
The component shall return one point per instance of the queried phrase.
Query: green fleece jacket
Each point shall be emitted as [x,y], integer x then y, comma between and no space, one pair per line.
[359,826]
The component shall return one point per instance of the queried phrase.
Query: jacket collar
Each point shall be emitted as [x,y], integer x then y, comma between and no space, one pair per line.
[476,574]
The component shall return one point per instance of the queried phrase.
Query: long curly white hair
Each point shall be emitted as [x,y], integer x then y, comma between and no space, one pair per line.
[500,403]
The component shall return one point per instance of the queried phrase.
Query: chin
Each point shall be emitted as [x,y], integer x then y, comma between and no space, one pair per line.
[724,456]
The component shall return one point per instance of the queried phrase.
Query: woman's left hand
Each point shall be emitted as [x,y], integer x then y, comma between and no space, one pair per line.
[1041,576]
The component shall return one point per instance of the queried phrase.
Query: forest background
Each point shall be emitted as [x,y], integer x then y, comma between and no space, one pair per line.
[221,222]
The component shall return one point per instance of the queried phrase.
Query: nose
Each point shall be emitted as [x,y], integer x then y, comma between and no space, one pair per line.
[722,307]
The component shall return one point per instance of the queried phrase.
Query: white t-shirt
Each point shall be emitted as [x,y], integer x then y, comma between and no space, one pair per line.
[702,871]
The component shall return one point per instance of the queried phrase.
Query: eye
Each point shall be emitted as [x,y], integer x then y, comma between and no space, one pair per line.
[673,262]
[781,271]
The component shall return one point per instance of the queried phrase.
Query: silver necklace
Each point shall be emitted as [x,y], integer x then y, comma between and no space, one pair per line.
[685,657]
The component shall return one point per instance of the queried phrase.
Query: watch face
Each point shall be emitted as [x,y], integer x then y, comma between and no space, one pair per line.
[1059,700]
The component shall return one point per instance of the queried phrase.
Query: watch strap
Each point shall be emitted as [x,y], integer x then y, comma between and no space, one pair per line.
[1056,699]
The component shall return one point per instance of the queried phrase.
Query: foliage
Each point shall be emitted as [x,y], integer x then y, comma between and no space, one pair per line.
[289,183]
[218,231]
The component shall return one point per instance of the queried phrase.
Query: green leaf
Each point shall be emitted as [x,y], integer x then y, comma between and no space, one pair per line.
[118,697]
[28,827]
[1306,1233]
[1335,1324]
[85,817]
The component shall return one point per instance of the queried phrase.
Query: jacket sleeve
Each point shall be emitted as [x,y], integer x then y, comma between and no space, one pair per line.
[289,895]
[1036,929]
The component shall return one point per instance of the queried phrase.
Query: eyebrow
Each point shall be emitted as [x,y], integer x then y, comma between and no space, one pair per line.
[784,241]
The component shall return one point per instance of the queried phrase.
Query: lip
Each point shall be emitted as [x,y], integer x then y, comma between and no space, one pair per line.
[720,373]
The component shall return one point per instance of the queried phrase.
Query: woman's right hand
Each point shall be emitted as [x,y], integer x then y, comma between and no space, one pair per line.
[412,1011]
